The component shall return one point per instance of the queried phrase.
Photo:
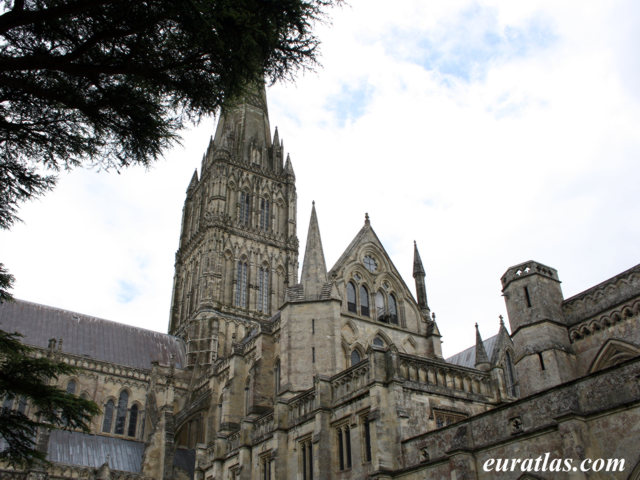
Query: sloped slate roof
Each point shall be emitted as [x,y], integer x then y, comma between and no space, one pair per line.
[77,448]
[93,337]
[467,358]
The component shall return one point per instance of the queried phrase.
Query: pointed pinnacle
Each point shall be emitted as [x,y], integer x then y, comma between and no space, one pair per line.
[418,269]
[481,353]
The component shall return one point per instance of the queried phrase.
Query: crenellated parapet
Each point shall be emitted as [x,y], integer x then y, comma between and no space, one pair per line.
[525,269]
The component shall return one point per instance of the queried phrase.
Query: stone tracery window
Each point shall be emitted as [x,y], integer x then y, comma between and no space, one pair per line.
[351,297]
[355,357]
[306,458]
[241,284]
[121,413]
[108,416]
[393,309]
[263,290]
[133,420]
[245,207]
[264,214]
[344,446]
[71,387]
[364,301]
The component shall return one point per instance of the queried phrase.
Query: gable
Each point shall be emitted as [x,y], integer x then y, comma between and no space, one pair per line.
[366,257]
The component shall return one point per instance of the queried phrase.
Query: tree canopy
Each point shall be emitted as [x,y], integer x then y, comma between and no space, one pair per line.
[110,83]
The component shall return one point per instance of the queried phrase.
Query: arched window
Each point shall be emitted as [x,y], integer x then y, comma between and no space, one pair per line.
[263,289]
[264,214]
[393,309]
[355,357]
[245,202]
[510,375]
[241,284]
[71,387]
[380,308]
[364,301]
[378,342]
[108,417]
[133,420]
[351,297]
[121,414]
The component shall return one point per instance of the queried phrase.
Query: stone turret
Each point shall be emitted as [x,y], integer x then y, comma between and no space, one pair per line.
[544,356]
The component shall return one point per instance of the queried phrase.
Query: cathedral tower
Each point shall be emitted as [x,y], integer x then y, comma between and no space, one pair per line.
[238,247]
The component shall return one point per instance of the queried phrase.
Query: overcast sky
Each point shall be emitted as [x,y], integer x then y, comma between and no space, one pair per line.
[489,132]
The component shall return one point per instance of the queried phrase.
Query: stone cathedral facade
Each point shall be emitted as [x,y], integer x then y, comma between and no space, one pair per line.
[337,373]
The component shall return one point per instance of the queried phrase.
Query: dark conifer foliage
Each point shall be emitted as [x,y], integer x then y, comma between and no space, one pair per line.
[110,83]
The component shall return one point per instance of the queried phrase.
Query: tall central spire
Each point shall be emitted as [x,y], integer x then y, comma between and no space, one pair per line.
[243,129]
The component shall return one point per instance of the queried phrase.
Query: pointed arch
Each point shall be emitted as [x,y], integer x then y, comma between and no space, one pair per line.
[364,301]
[133,420]
[381,308]
[121,412]
[612,353]
[381,336]
[108,416]
[356,357]
[351,297]
[242,282]
[349,331]
[393,309]
[71,386]
[264,289]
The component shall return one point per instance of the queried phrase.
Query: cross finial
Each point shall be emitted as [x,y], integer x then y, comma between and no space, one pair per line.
[366,219]
[501,320]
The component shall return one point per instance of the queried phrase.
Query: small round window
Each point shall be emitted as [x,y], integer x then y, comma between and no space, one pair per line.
[370,264]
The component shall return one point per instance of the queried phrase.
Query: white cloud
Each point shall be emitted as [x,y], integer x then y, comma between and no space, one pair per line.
[534,157]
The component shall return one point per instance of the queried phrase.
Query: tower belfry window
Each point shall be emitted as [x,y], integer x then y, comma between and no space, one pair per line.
[263,290]
[264,214]
[245,203]
[241,285]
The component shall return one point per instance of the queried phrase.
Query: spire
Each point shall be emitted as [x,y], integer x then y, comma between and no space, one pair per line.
[418,269]
[194,181]
[288,167]
[314,269]
[276,138]
[482,360]
[418,275]
[243,128]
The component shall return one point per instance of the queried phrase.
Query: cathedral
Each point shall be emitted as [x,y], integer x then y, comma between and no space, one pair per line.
[334,373]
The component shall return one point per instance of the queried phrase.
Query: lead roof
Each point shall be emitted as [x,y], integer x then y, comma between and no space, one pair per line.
[90,336]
